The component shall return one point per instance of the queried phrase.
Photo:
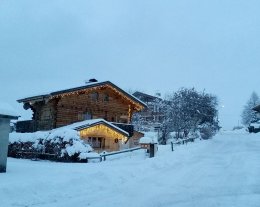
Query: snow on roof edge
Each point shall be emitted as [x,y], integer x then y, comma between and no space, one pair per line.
[87,123]
[87,84]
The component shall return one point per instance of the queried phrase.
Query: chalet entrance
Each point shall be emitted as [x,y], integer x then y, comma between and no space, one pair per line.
[100,144]
[104,136]
[97,143]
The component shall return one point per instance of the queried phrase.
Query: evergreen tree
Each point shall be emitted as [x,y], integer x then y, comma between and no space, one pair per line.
[248,114]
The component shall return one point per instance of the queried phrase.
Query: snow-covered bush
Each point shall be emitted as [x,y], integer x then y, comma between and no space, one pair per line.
[189,111]
[59,145]
[207,132]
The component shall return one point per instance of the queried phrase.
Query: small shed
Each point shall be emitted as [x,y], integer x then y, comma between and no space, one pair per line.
[151,144]
[6,114]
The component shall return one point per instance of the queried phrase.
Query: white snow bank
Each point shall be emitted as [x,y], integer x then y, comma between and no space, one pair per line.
[88,155]
[64,133]
[238,131]
[88,123]
[27,137]
[223,171]
[75,144]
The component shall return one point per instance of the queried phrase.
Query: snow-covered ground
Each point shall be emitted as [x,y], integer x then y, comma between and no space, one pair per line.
[224,171]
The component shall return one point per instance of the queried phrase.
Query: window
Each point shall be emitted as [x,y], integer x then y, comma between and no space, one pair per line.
[94,96]
[106,98]
[84,116]
[96,142]
[87,116]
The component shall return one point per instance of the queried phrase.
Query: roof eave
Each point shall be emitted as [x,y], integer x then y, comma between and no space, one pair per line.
[94,84]
[33,98]
[129,95]
[45,96]
[101,122]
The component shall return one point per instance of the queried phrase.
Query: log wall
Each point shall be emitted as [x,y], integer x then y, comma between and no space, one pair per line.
[45,115]
[97,104]
[67,109]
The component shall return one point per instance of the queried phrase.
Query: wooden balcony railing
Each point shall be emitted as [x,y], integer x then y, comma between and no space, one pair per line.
[126,127]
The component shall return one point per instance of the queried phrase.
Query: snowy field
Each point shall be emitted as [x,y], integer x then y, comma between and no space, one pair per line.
[224,171]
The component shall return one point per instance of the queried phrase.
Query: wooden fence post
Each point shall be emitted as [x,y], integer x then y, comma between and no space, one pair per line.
[104,155]
[172,146]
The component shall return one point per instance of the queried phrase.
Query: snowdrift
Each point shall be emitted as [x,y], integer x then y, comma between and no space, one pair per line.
[58,145]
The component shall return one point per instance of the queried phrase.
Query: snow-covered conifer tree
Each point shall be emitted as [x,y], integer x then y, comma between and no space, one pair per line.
[248,114]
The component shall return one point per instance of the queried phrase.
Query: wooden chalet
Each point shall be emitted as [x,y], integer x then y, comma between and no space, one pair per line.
[101,112]
[153,114]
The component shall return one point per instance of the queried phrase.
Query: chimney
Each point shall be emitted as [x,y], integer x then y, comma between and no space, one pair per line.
[92,80]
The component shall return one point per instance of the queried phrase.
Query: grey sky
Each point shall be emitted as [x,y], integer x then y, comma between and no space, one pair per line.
[147,45]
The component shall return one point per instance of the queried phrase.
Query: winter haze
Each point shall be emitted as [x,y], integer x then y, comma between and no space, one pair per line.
[152,46]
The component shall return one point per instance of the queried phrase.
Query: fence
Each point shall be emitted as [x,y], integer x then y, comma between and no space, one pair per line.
[182,141]
[103,156]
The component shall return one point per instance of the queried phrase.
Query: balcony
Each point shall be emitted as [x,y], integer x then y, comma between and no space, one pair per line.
[26,126]
[29,126]
[33,126]
[126,127]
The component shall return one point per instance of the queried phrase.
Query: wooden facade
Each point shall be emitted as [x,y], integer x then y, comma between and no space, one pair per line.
[153,115]
[98,100]
[103,137]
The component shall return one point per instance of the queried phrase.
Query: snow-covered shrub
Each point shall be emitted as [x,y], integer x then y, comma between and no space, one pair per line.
[248,114]
[59,145]
[207,132]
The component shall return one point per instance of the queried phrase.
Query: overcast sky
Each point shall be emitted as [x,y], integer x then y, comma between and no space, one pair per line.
[148,45]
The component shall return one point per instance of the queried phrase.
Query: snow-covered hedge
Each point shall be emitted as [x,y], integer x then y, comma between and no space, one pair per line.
[60,145]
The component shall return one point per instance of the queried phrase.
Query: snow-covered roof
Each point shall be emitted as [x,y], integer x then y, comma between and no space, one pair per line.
[86,86]
[149,97]
[148,140]
[92,122]
[7,111]
[28,137]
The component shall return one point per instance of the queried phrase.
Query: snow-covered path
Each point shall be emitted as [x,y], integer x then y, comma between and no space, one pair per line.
[224,171]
